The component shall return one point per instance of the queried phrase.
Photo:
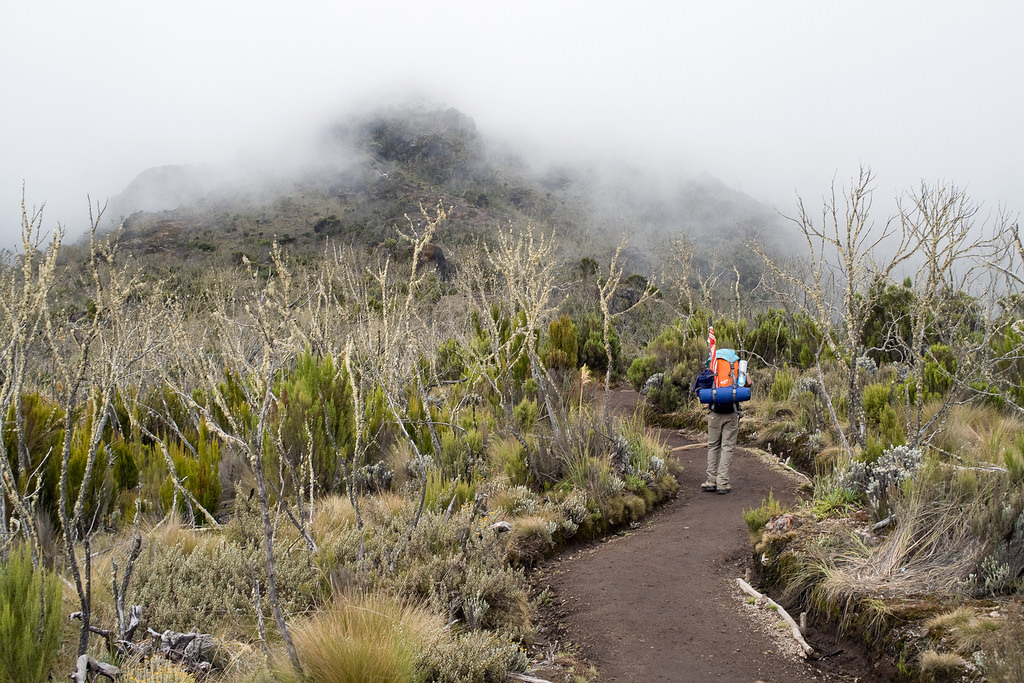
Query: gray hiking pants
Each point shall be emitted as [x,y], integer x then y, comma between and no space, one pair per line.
[722,432]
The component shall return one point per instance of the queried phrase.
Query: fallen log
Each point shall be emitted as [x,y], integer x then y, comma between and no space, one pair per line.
[689,447]
[806,650]
[86,664]
[527,679]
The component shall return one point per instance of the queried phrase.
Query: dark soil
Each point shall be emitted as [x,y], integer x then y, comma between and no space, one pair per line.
[659,603]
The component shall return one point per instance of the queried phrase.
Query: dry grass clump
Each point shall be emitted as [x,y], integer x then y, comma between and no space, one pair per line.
[369,637]
[533,536]
[385,508]
[978,431]
[333,512]
[941,666]
[966,630]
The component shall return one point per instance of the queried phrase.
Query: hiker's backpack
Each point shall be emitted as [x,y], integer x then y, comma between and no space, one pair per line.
[727,388]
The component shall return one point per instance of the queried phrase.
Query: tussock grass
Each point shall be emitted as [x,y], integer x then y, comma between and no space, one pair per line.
[384,508]
[172,532]
[533,535]
[968,631]
[370,637]
[941,666]
[334,511]
[930,549]
[979,432]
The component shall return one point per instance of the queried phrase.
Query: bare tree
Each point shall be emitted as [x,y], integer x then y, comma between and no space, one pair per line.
[91,356]
[389,345]
[525,268]
[939,219]
[607,286]
[835,290]
[687,278]
[223,367]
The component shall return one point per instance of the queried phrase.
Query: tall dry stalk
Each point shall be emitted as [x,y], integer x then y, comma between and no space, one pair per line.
[223,367]
[26,282]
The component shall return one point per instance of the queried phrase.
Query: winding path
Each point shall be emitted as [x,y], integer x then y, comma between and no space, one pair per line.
[659,603]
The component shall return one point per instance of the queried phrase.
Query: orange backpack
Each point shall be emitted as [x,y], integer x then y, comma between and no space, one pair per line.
[727,370]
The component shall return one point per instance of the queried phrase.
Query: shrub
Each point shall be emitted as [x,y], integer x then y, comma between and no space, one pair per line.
[641,369]
[1003,660]
[508,455]
[198,580]
[590,340]
[525,414]
[316,415]
[881,415]
[198,472]
[30,619]
[880,480]
[875,399]
[472,657]
[674,390]
[939,370]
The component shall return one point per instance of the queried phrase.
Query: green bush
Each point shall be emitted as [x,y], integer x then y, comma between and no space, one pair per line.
[471,657]
[526,414]
[782,385]
[30,620]
[316,413]
[882,417]
[939,370]
[674,391]
[563,347]
[757,518]
[590,344]
[508,456]
[199,473]
[641,369]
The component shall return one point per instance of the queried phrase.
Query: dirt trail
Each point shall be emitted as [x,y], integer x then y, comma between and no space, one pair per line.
[659,603]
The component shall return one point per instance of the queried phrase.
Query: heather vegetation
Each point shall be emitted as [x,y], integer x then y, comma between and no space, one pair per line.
[345,446]
[334,454]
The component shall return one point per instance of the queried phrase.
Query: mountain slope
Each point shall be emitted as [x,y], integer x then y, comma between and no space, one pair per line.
[366,174]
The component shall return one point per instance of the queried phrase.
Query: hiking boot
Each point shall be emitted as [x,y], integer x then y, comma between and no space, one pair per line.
[709,486]
[723,489]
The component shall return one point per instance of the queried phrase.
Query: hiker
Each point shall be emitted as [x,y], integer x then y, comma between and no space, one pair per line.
[722,386]
[723,428]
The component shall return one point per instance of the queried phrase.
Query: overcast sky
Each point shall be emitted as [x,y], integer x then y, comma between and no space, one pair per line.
[774,98]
